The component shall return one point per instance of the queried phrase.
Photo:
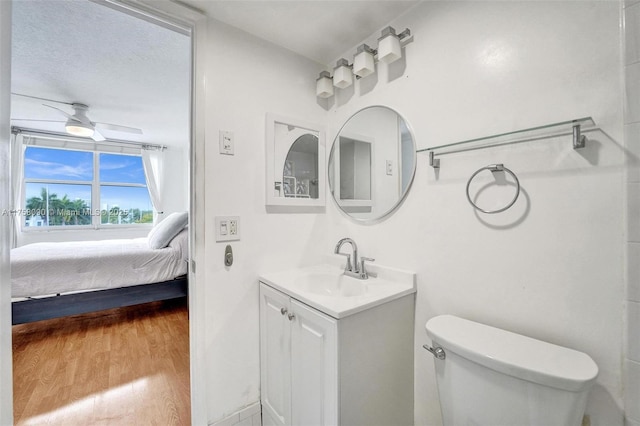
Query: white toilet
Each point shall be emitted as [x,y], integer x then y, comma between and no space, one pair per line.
[489,376]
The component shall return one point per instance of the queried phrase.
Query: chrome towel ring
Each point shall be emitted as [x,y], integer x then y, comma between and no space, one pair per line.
[494,168]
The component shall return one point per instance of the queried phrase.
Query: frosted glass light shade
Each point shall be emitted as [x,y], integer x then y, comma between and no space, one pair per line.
[363,63]
[389,49]
[342,74]
[78,129]
[324,85]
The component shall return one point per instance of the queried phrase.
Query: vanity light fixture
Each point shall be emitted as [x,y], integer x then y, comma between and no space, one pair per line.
[324,85]
[389,48]
[343,74]
[363,61]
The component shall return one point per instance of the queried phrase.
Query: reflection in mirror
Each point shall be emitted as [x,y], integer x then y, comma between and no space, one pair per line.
[372,163]
[295,163]
[355,169]
[300,171]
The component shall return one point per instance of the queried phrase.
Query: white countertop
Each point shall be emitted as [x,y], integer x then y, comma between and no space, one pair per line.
[383,285]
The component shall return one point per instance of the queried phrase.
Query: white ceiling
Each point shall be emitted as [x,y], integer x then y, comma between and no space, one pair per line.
[320,30]
[134,73]
[129,71]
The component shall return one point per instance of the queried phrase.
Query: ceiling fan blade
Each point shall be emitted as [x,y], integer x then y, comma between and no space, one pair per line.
[41,121]
[41,99]
[69,116]
[118,128]
[97,136]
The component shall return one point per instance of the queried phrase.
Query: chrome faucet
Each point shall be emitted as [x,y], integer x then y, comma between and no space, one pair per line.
[357,269]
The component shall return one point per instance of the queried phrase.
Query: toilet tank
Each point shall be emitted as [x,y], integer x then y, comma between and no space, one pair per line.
[491,376]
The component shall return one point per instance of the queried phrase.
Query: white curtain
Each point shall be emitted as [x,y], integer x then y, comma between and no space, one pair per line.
[153,162]
[17,171]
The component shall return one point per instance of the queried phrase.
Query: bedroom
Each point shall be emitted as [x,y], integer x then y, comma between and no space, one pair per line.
[85,206]
[562,269]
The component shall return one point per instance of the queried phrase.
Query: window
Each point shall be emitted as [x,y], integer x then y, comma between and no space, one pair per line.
[84,189]
[124,198]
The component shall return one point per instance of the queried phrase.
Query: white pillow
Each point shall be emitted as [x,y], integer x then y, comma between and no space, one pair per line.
[161,235]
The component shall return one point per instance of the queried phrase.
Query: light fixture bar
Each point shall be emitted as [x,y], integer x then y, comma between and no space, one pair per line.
[389,49]
[405,37]
[404,34]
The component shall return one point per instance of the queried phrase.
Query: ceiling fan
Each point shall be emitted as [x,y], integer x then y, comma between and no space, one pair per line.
[79,124]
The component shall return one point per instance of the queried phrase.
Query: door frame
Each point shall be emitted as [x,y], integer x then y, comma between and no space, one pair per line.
[196,22]
[6,359]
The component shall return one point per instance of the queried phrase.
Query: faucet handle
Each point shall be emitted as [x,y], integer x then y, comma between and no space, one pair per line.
[363,270]
[348,256]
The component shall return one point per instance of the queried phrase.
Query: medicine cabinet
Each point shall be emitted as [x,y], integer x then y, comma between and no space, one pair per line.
[295,163]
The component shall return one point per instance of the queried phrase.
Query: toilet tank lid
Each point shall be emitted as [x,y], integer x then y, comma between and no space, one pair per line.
[514,354]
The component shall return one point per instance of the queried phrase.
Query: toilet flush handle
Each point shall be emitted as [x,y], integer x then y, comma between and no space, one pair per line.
[437,352]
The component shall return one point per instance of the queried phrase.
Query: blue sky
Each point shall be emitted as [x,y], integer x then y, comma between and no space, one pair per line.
[45,163]
[121,168]
[60,164]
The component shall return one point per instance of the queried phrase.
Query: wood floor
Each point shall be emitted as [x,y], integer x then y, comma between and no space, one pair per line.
[124,366]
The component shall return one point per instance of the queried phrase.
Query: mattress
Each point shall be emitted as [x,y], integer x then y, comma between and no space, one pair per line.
[53,268]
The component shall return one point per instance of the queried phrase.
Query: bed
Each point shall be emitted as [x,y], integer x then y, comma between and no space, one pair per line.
[51,280]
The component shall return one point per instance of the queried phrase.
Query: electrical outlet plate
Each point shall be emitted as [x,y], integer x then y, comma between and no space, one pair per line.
[227,228]
[226,142]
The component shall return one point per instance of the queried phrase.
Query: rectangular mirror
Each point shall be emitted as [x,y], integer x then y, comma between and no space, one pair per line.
[295,163]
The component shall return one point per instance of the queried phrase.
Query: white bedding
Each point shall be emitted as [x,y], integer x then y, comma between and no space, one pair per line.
[50,268]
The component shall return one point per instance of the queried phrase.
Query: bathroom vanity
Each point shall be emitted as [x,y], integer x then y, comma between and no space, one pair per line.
[335,349]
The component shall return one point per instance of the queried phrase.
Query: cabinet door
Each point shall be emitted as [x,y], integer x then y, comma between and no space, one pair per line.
[314,367]
[275,356]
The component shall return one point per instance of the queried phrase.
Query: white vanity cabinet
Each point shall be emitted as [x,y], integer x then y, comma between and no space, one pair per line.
[319,370]
[298,354]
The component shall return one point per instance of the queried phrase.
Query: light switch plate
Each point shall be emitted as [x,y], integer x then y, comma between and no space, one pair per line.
[227,228]
[226,142]
[389,167]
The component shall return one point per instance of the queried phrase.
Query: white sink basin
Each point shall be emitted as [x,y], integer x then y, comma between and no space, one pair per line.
[326,288]
[326,284]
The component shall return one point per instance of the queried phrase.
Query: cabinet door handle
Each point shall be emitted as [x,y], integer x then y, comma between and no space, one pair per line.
[291,317]
[283,311]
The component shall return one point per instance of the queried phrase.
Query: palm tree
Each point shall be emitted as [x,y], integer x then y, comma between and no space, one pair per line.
[82,216]
[40,204]
[58,211]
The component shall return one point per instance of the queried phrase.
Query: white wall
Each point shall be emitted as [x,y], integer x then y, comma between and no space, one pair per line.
[246,78]
[550,267]
[632,143]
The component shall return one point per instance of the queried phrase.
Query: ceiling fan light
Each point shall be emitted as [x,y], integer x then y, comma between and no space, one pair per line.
[79,129]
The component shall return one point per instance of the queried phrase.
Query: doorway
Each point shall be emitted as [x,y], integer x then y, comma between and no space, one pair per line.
[188,155]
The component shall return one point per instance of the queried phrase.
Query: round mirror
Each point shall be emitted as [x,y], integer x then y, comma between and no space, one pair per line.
[372,163]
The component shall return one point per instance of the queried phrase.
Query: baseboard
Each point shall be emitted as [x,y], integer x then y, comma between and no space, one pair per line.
[248,416]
